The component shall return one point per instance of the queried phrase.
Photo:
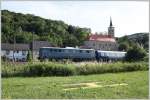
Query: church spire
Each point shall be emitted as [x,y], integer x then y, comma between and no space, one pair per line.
[111,30]
[110,22]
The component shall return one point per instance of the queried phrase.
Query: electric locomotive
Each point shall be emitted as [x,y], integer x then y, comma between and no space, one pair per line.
[77,54]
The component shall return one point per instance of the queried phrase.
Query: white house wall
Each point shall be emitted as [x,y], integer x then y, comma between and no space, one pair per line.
[17,55]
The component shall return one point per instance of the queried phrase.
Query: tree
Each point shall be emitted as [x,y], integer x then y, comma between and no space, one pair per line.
[140,38]
[29,56]
[22,26]
[123,46]
[136,53]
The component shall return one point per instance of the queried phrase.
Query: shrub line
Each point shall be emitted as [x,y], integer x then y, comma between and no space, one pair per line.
[59,69]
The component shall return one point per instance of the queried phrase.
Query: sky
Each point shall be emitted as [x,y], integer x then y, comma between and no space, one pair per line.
[128,17]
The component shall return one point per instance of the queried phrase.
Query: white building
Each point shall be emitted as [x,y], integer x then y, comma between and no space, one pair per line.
[18,52]
[104,42]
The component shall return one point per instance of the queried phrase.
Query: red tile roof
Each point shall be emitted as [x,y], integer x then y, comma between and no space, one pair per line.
[100,37]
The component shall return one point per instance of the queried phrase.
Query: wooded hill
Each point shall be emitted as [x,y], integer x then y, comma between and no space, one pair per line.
[19,27]
[141,39]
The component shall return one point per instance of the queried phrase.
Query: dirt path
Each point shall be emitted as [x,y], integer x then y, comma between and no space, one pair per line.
[89,85]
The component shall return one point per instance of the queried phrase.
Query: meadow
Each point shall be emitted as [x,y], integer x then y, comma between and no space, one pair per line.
[75,80]
[136,86]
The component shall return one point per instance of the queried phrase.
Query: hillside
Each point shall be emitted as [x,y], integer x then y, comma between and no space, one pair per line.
[139,38]
[22,26]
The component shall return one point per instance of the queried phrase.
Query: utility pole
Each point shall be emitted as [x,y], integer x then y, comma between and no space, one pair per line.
[14,40]
[14,47]
[32,46]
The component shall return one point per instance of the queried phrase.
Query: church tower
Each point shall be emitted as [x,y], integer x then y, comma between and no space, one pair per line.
[111,31]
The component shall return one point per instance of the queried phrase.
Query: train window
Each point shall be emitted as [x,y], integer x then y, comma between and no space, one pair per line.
[59,50]
[55,50]
[65,50]
[73,51]
[80,51]
[87,51]
[105,54]
[118,55]
[69,50]
[102,54]
[122,55]
[62,50]
[110,54]
[50,50]
[115,55]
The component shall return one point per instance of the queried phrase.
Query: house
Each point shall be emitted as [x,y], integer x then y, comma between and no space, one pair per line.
[19,51]
[101,42]
[36,45]
[105,42]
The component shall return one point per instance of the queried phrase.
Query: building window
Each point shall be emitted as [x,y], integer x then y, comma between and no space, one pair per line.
[17,51]
[23,59]
[7,52]
[93,44]
[23,53]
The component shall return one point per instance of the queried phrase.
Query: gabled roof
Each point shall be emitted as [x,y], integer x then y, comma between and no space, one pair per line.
[20,46]
[100,37]
[38,44]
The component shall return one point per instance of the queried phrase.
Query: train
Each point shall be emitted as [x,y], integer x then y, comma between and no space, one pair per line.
[77,54]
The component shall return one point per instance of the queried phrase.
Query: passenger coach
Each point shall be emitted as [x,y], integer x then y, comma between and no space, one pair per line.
[109,55]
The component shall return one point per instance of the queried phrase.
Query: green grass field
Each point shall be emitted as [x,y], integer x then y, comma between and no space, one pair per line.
[53,87]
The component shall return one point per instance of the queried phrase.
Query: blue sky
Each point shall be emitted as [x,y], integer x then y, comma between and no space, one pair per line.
[128,17]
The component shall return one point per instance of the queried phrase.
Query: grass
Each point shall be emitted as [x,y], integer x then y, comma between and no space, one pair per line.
[52,87]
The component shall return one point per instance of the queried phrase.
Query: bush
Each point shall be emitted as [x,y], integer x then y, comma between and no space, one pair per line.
[123,46]
[60,69]
[50,70]
[135,54]
[111,68]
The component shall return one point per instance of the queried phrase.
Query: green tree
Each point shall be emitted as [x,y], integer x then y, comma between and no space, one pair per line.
[123,46]
[136,53]
[29,56]
[22,26]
